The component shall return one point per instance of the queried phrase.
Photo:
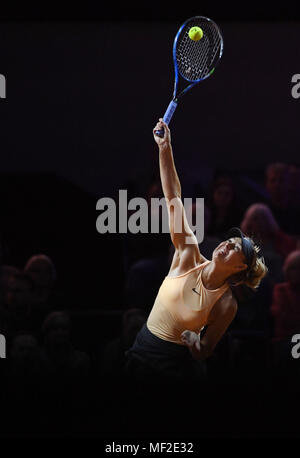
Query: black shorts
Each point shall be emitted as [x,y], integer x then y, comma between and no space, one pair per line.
[152,356]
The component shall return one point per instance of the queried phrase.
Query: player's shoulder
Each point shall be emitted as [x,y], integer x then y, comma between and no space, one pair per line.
[185,261]
[192,251]
[189,256]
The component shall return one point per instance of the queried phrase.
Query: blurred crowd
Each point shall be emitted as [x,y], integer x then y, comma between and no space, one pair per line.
[45,356]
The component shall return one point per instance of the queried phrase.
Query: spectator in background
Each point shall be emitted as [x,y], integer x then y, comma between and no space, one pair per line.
[294,190]
[63,360]
[280,200]
[113,355]
[259,222]
[40,268]
[24,377]
[17,302]
[223,206]
[5,273]
[286,300]
[26,366]
[25,356]
[67,368]
[42,271]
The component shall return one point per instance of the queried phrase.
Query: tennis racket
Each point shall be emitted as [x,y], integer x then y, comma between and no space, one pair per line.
[194,60]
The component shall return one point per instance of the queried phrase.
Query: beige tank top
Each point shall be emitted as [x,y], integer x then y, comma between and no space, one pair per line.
[182,303]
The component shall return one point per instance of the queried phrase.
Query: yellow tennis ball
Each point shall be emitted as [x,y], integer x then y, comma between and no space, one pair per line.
[195,33]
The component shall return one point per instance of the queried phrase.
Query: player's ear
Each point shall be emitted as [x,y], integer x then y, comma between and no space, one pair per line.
[241,267]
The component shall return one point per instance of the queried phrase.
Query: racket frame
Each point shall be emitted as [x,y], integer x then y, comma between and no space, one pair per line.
[173,104]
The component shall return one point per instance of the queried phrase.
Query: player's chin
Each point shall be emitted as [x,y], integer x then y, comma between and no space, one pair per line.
[218,255]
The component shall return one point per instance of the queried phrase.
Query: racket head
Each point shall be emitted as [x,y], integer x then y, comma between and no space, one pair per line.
[197,60]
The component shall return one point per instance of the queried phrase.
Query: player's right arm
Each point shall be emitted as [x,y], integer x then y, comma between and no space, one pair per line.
[182,236]
[222,314]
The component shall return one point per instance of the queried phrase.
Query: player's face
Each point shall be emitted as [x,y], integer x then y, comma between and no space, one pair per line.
[230,253]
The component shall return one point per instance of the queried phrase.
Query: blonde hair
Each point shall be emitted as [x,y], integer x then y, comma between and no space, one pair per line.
[252,276]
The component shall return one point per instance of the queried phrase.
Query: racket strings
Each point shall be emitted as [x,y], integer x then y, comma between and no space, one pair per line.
[196,59]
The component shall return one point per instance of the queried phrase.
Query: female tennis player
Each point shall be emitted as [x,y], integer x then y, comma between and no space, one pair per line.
[196,293]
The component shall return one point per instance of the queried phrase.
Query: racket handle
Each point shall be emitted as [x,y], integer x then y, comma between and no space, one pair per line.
[167,117]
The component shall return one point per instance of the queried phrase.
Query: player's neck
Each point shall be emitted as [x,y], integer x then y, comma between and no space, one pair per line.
[213,277]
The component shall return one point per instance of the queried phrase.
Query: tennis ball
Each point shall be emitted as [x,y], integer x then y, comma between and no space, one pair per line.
[195,33]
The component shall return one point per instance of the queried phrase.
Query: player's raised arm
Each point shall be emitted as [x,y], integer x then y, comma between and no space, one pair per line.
[181,234]
[168,174]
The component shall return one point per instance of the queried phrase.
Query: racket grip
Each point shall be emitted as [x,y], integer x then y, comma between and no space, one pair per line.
[167,117]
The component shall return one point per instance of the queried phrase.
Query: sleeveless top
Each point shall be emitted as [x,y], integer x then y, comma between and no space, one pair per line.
[182,303]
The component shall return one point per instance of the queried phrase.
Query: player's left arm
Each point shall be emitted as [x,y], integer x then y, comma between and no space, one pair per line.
[220,318]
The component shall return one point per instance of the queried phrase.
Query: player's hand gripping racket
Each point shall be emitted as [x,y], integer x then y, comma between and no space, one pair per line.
[196,54]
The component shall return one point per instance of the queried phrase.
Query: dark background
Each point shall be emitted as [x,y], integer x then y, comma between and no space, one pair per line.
[83,97]
[85,87]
